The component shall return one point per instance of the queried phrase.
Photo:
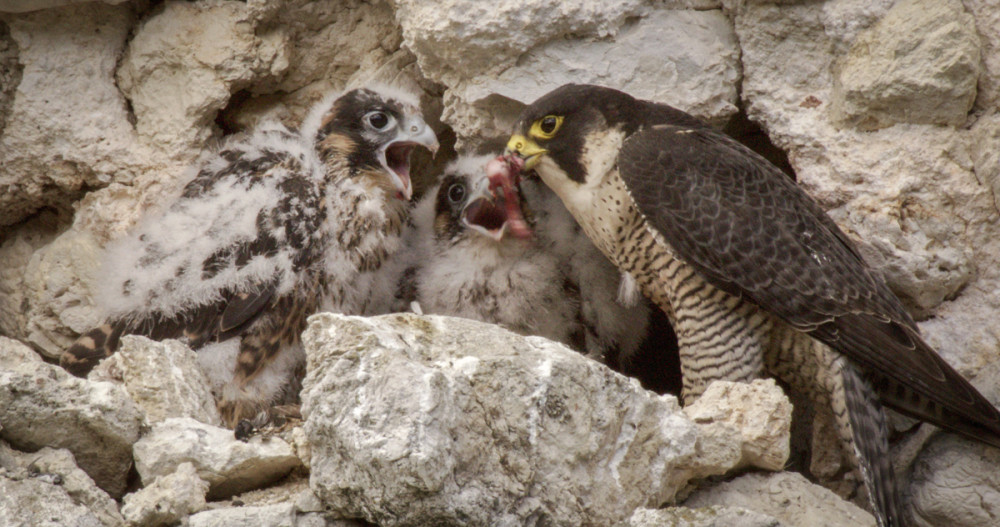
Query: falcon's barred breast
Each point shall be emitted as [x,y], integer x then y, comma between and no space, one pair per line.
[755,277]
[271,228]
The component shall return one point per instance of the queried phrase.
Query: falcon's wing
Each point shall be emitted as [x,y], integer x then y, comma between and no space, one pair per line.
[212,263]
[752,232]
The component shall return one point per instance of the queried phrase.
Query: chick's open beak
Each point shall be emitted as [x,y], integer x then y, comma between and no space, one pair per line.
[395,155]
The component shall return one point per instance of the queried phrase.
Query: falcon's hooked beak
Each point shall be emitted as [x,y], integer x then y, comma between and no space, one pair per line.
[526,149]
[395,155]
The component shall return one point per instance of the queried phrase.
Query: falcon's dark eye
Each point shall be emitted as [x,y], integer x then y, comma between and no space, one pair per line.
[549,124]
[378,120]
[456,193]
[546,127]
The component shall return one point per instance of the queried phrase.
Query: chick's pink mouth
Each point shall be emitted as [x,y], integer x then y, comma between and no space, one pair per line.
[504,173]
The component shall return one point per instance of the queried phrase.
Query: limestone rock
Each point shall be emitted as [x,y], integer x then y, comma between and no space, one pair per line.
[987,19]
[716,516]
[277,515]
[16,252]
[955,482]
[466,37]
[58,467]
[787,496]
[688,59]
[39,503]
[184,63]
[763,427]
[230,466]
[168,499]
[419,420]
[24,6]
[57,295]
[918,64]
[68,126]
[163,378]
[43,405]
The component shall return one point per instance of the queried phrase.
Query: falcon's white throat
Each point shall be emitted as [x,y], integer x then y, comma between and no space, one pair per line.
[598,157]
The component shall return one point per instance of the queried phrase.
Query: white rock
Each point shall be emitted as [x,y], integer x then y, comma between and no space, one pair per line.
[955,482]
[918,64]
[987,19]
[715,516]
[278,515]
[763,427]
[57,295]
[68,127]
[186,60]
[43,405]
[59,468]
[417,420]
[163,378]
[15,252]
[688,59]
[461,38]
[230,466]
[787,496]
[38,503]
[23,6]
[168,499]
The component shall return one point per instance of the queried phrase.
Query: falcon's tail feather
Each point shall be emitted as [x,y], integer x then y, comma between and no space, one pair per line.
[870,438]
[912,378]
[91,347]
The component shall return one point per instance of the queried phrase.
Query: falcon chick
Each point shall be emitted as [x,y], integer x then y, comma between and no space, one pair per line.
[473,260]
[753,275]
[271,229]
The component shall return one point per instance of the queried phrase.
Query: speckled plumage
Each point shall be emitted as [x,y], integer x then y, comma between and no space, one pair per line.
[271,228]
[754,275]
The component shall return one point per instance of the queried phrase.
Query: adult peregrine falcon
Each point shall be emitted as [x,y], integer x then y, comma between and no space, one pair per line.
[472,260]
[753,274]
[270,229]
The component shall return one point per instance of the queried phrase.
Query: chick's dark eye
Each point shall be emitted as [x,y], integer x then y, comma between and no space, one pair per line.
[549,124]
[378,120]
[456,192]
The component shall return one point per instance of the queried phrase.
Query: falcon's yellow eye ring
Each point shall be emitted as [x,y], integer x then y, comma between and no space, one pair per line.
[546,127]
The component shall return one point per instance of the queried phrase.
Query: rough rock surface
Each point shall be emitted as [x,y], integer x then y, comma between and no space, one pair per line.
[104,104]
[955,482]
[163,378]
[416,420]
[762,425]
[56,143]
[37,502]
[685,58]
[57,468]
[700,517]
[230,466]
[167,499]
[41,405]
[787,496]
[277,515]
[217,42]
[918,64]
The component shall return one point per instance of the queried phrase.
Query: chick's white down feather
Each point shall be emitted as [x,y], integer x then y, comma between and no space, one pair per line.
[556,285]
[160,270]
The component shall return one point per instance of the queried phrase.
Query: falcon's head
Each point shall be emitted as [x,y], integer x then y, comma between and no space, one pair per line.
[571,136]
[467,202]
[370,133]
[573,132]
